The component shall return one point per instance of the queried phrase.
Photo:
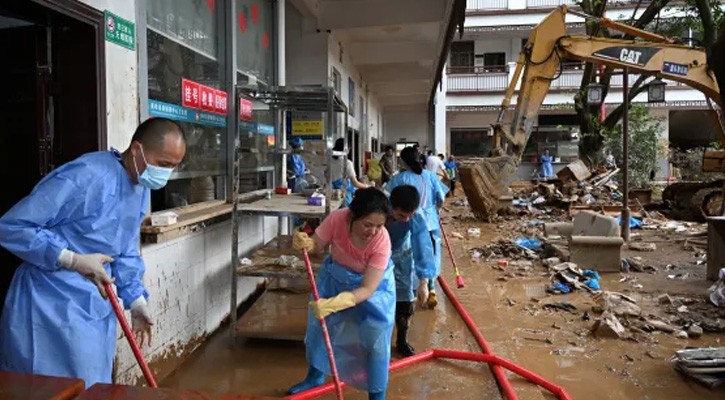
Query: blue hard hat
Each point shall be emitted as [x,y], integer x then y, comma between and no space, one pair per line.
[295,142]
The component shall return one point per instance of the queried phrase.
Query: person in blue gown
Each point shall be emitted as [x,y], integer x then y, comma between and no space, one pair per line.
[432,195]
[343,174]
[356,285]
[76,231]
[413,257]
[296,168]
[546,169]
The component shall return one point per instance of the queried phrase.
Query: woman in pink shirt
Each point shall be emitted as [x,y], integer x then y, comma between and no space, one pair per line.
[357,296]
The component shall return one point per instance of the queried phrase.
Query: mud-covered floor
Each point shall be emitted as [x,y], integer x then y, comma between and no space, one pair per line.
[555,345]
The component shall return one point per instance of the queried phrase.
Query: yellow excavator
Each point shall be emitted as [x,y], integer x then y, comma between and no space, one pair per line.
[540,62]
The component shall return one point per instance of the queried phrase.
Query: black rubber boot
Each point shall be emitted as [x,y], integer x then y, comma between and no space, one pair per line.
[403,312]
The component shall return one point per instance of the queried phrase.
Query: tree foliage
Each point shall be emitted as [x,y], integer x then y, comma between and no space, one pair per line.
[645,146]
[701,17]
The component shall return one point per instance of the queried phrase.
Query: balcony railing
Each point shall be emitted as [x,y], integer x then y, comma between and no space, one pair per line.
[547,3]
[477,5]
[497,78]
[478,79]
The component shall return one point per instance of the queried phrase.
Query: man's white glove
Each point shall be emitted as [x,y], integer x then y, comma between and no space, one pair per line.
[141,322]
[422,292]
[88,265]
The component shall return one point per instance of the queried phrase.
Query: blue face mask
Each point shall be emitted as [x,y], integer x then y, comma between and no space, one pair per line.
[153,177]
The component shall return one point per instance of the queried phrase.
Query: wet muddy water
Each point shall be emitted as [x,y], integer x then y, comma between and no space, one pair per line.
[554,344]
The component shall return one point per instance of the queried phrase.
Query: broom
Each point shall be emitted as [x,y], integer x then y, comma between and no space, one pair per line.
[325,333]
[129,336]
[459,279]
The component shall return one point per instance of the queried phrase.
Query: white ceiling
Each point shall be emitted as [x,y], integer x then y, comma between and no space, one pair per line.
[394,44]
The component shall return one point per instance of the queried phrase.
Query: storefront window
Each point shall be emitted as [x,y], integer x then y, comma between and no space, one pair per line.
[184,82]
[255,32]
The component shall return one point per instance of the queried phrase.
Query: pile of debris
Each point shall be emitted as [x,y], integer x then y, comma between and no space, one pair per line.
[575,186]
[704,365]
[567,276]
[622,318]
[503,249]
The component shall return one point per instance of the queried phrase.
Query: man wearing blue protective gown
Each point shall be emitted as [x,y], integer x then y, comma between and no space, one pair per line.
[413,258]
[78,228]
[432,195]
[546,168]
[296,167]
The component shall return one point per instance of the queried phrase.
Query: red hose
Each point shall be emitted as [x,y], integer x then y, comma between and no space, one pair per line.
[330,387]
[323,325]
[129,336]
[498,373]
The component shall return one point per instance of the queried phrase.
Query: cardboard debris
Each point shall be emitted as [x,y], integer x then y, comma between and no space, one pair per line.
[609,326]
[575,171]
[618,303]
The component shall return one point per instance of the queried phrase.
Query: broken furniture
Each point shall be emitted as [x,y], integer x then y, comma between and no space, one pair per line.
[594,240]
[38,387]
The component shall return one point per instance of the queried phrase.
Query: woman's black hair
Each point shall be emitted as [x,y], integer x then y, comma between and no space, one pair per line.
[410,157]
[339,146]
[405,198]
[389,148]
[369,201]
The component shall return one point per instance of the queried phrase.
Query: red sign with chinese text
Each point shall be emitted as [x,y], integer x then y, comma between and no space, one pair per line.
[245,109]
[200,97]
[207,98]
[220,102]
[189,93]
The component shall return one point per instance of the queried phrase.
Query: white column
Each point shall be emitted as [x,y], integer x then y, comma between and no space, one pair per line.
[663,114]
[440,138]
[281,61]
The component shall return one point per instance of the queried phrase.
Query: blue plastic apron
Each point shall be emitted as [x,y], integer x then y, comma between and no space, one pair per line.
[360,335]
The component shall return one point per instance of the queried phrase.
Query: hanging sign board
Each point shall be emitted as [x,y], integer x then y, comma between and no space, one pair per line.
[120,31]
[245,109]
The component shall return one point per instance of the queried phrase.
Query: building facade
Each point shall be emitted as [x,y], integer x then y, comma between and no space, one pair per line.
[85,73]
[481,65]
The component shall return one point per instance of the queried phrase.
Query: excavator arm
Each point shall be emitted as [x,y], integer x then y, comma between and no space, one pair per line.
[540,63]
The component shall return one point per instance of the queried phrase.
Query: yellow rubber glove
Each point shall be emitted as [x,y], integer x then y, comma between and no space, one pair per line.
[301,241]
[324,307]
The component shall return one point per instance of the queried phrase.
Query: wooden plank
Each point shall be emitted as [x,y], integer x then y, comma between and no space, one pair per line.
[286,205]
[37,387]
[193,216]
[264,261]
[276,315]
[120,392]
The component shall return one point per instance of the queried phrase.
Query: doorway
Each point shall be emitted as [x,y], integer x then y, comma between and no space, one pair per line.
[353,141]
[53,106]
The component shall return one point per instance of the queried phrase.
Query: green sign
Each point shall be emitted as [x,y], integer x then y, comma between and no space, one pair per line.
[120,31]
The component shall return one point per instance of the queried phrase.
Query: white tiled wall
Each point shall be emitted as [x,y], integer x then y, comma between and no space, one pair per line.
[189,282]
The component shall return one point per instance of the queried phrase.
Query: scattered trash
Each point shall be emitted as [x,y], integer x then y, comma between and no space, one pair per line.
[681,335]
[717,290]
[535,223]
[642,246]
[618,303]
[593,281]
[586,316]
[664,299]
[245,262]
[456,235]
[608,326]
[633,222]
[635,264]
[287,261]
[558,288]
[503,263]
[704,365]
[551,261]
[560,306]
[694,331]
[682,309]
[474,232]
[476,254]
[528,243]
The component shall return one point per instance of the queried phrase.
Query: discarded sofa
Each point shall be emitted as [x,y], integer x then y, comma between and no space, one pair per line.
[594,240]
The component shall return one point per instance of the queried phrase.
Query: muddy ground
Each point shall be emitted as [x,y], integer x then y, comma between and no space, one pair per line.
[509,311]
